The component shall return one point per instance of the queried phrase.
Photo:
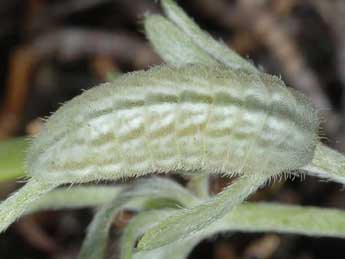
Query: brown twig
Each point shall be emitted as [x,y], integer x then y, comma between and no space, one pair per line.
[22,62]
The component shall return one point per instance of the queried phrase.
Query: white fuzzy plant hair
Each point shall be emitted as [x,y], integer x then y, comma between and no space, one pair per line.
[208,110]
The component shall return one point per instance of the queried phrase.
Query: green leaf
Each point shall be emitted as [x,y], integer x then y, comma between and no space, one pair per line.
[214,48]
[173,45]
[12,158]
[258,217]
[137,226]
[272,217]
[189,221]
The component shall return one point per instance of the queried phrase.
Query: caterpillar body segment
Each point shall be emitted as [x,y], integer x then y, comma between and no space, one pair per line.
[167,119]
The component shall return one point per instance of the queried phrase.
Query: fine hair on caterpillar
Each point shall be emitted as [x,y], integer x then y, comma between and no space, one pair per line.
[169,119]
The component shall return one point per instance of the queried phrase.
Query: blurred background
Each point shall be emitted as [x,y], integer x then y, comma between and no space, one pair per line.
[51,50]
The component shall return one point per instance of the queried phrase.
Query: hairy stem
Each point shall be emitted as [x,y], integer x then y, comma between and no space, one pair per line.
[13,207]
[74,198]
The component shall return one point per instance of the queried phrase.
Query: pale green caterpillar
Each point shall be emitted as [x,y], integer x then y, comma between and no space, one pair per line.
[168,119]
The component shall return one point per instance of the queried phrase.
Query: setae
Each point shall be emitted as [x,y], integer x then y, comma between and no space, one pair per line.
[209,111]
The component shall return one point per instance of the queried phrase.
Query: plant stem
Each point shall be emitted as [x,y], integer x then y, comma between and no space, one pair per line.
[74,198]
[13,207]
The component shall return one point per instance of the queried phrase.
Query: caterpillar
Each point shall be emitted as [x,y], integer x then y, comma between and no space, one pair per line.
[185,119]
[168,119]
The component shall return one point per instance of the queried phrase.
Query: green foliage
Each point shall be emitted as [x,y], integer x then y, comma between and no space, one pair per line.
[12,158]
[186,222]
